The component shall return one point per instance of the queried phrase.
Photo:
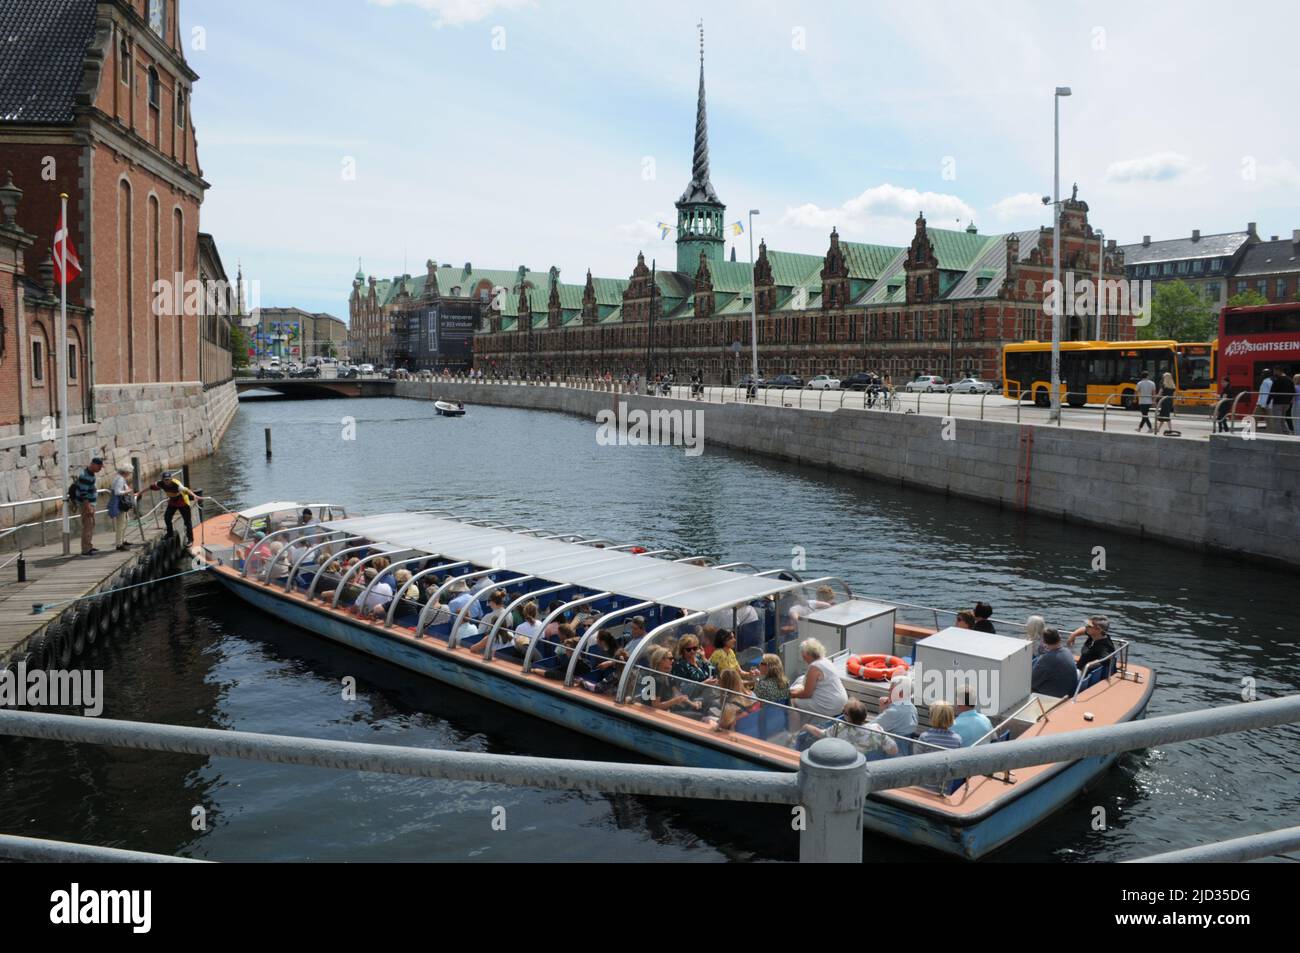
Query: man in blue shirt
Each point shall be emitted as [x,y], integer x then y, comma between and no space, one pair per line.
[1054,671]
[83,497]
[971,724]
[462,597]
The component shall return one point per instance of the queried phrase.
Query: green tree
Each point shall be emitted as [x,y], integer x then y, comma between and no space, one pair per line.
[238,346]
[1247,299]
[1179,313]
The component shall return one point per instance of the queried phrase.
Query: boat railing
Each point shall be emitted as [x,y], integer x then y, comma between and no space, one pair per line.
[995,733]
[1120,669]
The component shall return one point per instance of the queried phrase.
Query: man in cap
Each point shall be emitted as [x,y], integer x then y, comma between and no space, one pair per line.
[82,495]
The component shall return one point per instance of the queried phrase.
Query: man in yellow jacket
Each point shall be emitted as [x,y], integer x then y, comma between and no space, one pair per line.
[179,500]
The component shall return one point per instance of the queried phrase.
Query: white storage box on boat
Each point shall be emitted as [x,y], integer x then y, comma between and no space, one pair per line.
[864,628]
[997,665]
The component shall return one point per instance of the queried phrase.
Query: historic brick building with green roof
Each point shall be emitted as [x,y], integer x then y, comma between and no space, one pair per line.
[945,304]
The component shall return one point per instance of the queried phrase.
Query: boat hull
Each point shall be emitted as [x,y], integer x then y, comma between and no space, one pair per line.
[970,838]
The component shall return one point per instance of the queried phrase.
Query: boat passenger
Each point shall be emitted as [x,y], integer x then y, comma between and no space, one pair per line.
[818,690]
[966,619]
[940,733]
[867,738]
[897,710]
[1034,627]
[1054,672]
[971,724]
[404,586]
[529,629]
[724,656]
[552,633]
[376,601]
[636,634]
[1097,644]
[733,699]
[708,636]
[568,642]
[772,685]
[984,618]
[687,663]
[496,606]
[461,597]
[658,690]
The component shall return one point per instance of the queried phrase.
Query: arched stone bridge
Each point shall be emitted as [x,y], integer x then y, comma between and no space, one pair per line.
[307,388]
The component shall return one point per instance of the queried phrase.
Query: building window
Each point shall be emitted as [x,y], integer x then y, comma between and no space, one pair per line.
[124,61]
[1262,286]
[1216,265]
[180,108]
[1182,267]
[38,362]
[1168,268]
[154,89]
[1281,288]
[1198,266]
[72,361]
[1212,291]
[1241,286]
[158,16]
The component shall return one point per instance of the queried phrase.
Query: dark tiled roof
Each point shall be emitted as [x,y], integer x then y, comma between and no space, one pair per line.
[1179,249]
[1269,258]
[42,51]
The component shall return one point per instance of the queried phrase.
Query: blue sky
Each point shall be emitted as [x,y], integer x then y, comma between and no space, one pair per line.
[536,132]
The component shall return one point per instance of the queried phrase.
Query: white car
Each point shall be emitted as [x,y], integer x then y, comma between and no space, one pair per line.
[971,385]
[366,369]
[926,383]
[824,382]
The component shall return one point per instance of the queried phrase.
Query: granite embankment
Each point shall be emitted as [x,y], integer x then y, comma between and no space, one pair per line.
[1228,494]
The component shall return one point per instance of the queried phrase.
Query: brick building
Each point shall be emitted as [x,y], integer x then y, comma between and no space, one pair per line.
[1271,268]
[1204,263]
[95,103]
[944,304]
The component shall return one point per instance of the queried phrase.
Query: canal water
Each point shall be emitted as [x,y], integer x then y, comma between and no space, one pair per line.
[197,657]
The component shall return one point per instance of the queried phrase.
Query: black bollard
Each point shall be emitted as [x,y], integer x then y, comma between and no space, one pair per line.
[268,443]
[22,568]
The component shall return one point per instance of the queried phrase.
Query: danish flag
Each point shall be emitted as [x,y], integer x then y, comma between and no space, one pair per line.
[65,254]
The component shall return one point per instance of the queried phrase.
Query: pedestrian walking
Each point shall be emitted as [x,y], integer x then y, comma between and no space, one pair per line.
[121,501]
[1146,392]
[1165,410]
[82,495]
[1265,389]
[1221,409]
[1281,397]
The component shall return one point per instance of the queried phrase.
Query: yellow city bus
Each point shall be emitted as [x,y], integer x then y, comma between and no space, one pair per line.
[1091,371]
[1198,377]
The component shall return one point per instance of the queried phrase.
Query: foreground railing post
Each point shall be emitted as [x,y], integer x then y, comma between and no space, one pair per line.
[832,792]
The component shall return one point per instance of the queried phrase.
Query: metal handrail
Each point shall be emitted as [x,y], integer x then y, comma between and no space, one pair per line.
[1121,667]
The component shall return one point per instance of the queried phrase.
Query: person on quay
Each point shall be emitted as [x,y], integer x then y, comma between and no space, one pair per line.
[1265,393]
[1146,392]
[121,501]
[1224,405]
[1165,409]
[179,499]
[82,495]
[1281,397]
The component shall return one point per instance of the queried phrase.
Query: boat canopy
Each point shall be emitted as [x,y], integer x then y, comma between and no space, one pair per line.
[682,585]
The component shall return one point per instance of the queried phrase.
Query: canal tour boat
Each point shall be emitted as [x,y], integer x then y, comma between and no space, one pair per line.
[616,606]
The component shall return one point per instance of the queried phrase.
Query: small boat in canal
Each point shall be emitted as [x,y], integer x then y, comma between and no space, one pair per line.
[446,408]
[580,631]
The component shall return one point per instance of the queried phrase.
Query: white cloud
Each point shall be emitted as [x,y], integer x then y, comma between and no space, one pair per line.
[1282,173]
[879,205]
[457,12]
[1021,208]
[1160,167]
[641,233]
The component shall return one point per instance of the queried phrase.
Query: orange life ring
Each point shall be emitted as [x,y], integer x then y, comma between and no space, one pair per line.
[876,668]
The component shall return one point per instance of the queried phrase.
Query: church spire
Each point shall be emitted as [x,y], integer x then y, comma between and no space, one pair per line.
[700,188]
[699,211]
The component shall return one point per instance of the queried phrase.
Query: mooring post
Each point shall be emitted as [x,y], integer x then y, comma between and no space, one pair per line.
[135,477]
[833,790]
[22,567]
[268,443]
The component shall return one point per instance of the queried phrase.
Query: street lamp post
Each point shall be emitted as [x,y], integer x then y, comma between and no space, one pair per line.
[1101,274]
[1056,252]
[753,299]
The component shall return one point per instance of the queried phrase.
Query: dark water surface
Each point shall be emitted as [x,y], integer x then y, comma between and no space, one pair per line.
[197,657]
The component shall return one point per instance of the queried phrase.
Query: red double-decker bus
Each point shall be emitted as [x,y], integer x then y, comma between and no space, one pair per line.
[1252,339]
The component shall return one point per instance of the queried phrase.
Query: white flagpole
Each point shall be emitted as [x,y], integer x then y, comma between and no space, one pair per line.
[63,372]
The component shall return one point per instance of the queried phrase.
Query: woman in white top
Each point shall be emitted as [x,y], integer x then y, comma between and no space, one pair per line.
[818,690]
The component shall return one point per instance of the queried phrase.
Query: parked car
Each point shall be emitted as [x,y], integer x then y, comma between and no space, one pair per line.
[859,381]
[824,382]
[365,368]
[970,385]
[313,371]
[926,383]
[347,372]
[785,380]
[270,372]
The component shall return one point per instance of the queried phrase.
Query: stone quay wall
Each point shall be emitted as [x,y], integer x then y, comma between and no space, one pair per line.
[1228,494]
[164,425]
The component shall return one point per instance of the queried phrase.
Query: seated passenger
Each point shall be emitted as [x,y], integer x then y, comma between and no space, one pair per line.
[568,642]
[732,699]
[708,636]
[1097,644]
[772,685]
[984,618]
[381,564]
[897,710]
[635,635]
[939,733]
[1054,672]
[529,629]
[553,627]
[966,619]
[1034,627]
[496,606]
[867,738]
[687,663]
[377,599]
[658,690]
[819,690]
[462,597]
[724,656]
[971,724]
[404,586]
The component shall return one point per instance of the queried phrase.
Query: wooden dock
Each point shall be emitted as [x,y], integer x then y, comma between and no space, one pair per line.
[55,578]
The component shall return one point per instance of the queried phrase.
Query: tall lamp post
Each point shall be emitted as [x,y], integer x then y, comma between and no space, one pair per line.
[1101,274]
[753,300]
[1056,252]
